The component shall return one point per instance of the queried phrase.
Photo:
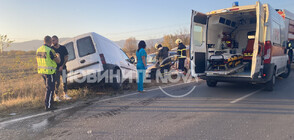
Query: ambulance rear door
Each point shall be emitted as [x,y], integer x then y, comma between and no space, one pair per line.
[198,49]
[259,39]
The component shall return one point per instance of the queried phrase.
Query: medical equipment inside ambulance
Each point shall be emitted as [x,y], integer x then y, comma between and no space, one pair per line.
[224,55]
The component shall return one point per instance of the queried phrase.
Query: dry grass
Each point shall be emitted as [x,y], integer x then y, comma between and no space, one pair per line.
[20,84]
[22,89]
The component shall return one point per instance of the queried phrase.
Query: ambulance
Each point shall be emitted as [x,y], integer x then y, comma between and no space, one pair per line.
[289,21]
[242,43]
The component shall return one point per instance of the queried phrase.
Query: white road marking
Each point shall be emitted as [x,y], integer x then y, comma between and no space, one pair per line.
[241,98]
[3,124]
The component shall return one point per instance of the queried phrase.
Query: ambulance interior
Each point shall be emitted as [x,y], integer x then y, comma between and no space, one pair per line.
[230,41]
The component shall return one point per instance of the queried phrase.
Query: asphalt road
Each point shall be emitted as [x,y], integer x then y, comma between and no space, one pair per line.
[229,111]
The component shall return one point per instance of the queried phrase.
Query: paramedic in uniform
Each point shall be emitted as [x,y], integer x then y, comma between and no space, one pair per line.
[47,61]
[162,57]
[181,53]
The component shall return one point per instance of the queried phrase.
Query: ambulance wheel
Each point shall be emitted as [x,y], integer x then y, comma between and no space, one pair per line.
[287,72]
[269,86]
[211,83]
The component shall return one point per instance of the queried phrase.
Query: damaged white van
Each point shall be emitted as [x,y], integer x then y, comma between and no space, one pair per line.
[241,43]
[94,58]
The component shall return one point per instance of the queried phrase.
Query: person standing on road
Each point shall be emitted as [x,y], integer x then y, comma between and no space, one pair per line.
[181,53]
[47,61]
[162,58]
[61,68]
[141,64]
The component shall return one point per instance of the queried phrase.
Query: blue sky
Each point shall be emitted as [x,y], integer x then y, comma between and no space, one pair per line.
[24,20]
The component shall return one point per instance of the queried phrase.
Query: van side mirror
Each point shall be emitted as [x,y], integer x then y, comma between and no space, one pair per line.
[132,60]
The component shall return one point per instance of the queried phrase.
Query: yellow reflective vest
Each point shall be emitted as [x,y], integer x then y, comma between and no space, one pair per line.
[181,51]
[45,64]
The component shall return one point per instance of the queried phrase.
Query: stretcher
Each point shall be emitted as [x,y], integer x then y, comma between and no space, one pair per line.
[230,71]
[224,61]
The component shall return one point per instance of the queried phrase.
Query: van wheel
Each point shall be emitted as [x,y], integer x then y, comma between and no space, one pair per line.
[117,79]
[269,86]
[211,83]
[287,72]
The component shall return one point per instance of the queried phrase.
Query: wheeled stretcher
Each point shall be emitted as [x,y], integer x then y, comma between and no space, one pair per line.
[224,61]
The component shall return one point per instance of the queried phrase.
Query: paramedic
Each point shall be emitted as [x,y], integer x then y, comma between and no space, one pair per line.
[181,53]
[47,61]
[141,64]
[61,68]
[162,58]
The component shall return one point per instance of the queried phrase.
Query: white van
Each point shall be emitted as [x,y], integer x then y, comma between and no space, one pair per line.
[241,43]
[90,54]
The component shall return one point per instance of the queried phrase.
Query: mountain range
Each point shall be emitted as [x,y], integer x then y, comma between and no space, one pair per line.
[33,45]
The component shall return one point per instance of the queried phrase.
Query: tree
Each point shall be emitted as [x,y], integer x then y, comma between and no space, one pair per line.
[4,42]
[183,34]
[169,40]
[150,47]
[130,46]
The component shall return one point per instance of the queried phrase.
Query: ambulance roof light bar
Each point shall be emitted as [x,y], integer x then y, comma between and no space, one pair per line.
[235,4]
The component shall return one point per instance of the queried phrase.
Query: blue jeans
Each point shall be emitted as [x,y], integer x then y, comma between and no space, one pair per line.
[140,79]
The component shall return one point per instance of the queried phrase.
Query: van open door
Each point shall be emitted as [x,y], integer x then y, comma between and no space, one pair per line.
[198,49]
[259,40]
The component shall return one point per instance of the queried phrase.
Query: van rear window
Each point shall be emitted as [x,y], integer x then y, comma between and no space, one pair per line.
[71,52]
[85,46]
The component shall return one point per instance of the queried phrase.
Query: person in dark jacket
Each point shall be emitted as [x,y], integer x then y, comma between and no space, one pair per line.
[61,68]
[162,58]
[181,53]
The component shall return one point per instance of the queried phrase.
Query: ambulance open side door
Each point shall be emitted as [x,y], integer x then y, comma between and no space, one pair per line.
[198,48]
[259,40]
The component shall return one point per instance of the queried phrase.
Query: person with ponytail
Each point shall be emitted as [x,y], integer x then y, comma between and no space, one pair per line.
[141,64]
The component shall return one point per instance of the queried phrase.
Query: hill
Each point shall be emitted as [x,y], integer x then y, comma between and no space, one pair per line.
[35,44]
[28,45]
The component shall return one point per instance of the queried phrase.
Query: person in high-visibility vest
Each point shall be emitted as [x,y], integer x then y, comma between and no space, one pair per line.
[47,61]
[181,53]
[162,58]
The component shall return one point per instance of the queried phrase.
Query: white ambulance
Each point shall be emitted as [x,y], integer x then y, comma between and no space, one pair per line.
[241,43]
[289,22]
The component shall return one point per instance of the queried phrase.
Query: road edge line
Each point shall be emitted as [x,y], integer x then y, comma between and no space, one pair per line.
[244,97]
